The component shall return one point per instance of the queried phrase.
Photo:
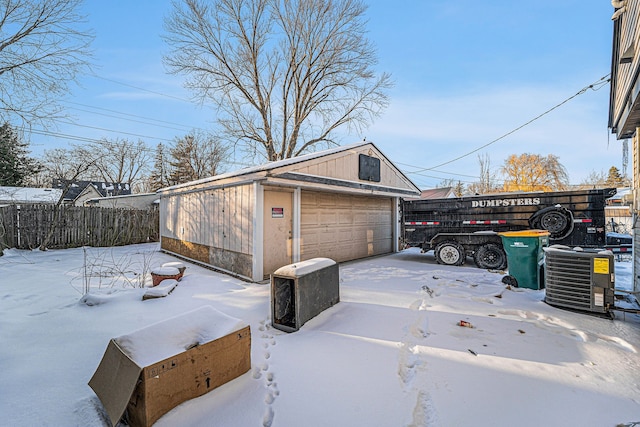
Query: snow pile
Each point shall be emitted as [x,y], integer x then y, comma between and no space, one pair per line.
[165,271]
[162,290]
[391,353]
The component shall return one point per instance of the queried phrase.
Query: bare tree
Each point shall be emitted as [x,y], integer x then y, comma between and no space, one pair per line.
[196,156]
[594,180]
[487,183]
[42,50]
[533,172]
[67,166]
[601,179]
[285,75]
[117,161]
[120,161]
[447,182]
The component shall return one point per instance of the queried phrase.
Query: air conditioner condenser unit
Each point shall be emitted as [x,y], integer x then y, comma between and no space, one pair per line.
[579,279]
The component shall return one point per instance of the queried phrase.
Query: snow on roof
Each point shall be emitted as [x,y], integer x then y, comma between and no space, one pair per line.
[271,165]
[620,193]
[29,195]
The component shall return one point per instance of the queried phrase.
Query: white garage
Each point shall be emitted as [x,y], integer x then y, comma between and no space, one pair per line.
[341,204]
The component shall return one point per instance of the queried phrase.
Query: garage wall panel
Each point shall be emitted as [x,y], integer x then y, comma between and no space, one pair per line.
[217,218]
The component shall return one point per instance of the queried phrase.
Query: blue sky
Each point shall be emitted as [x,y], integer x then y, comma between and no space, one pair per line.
[466,72]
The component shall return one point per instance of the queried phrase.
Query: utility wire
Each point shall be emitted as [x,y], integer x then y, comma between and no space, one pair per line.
[142,89]
[437,171]
[134,118]
[146,119]
[119,132]
[594,86]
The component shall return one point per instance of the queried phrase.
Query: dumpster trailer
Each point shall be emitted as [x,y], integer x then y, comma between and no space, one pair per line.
[462,227]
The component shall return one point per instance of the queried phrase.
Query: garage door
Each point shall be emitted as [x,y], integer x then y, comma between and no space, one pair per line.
[345,227]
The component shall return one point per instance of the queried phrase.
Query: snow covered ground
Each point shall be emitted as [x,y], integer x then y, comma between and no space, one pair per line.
[391,353]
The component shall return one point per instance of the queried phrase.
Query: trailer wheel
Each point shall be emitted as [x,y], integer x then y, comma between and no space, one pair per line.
[557,220]
[450,253]
[491,257]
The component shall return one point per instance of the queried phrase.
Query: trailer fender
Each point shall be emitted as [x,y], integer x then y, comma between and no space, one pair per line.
[558,221]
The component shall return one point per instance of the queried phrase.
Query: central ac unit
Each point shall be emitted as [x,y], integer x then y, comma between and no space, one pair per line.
[579,279]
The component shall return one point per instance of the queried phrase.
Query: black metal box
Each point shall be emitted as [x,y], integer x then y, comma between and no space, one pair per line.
[301,291]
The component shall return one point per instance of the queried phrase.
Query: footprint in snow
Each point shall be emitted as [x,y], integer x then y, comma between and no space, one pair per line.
[268,340]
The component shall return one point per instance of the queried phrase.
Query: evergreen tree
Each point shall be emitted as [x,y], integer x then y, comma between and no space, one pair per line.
[15,164]
[159,177]
[614,179]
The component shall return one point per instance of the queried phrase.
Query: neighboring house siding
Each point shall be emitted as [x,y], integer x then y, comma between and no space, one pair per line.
[625,74]
[618,219]
[88,193]
[134,201]
[624,107]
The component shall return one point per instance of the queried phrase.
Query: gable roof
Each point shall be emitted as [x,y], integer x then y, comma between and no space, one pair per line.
[438,193]
[293,169]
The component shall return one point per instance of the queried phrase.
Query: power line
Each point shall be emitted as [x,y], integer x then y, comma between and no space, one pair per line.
[144,120]
[438,171]
[594,86]
[112,144]
[142,89]
[119,132]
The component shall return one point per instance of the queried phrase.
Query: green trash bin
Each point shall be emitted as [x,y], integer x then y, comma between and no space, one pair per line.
[525,257]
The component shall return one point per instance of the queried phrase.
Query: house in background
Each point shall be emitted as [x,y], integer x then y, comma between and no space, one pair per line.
[624,101]
[89,192]
[128,201]
[24,195]
[438,193]
[618,212]
[77,192]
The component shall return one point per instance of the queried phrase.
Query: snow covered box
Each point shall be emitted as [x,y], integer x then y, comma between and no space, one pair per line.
[144,374]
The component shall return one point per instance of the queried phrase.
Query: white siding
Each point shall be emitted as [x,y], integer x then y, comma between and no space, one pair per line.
[218,218]
[628,37]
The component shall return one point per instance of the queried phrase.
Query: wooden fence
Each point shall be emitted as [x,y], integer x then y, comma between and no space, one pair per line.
[26,226]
